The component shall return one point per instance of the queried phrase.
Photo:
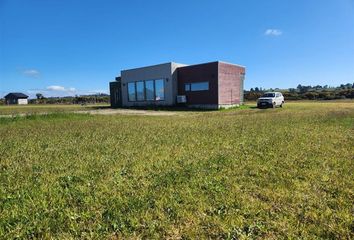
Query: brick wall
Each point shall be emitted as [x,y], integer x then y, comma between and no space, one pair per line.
[207,72]
[230,83]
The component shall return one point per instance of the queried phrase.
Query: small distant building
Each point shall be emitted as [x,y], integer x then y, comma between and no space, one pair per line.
[16,98]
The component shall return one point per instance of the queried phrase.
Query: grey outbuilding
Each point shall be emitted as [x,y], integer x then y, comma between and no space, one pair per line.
[16,98]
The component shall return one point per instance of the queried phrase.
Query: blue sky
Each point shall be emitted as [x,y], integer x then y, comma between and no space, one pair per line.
[66,47]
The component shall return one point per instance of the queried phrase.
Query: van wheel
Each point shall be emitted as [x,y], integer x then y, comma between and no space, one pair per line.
[281,105]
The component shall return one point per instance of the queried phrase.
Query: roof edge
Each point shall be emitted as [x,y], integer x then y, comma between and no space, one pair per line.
[213,62]
[16,94]
[149,66]
[238,65]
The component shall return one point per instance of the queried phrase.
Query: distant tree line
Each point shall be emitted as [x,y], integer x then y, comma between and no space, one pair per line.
[309,92]
[83,99]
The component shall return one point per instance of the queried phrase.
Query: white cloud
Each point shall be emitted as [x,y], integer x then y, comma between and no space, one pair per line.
[273,32]
[97,91]
[56,88]
[61,91]
[31,73]
[71,89]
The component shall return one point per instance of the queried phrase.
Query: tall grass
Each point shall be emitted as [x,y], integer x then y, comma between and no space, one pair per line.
[235,174]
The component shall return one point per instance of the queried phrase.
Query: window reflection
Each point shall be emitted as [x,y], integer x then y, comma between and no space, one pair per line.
[159,90]
[187,87]
[197,86]
[149,90]
[140,95]
[131,91]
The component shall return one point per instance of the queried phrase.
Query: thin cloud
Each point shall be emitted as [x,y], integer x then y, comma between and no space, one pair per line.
[31,73]
[97,91]
[71,89]
[60,89]
[56,88]
[273,32]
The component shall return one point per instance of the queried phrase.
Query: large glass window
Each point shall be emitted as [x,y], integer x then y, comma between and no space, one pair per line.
[200,86]
[131,91]
[140,95]
[149,90]
[159,90]
[197,86]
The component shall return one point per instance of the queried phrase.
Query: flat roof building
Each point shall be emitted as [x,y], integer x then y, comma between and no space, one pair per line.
[208,85]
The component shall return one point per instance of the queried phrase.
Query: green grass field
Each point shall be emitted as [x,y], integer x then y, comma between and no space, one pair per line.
[230,174]
[45,108]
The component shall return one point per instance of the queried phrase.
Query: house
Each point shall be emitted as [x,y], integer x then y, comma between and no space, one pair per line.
[16,98]
[208,85]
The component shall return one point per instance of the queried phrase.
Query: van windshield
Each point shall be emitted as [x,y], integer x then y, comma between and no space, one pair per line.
[268,95]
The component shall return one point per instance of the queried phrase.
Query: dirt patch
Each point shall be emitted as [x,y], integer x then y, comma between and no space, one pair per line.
[130,112]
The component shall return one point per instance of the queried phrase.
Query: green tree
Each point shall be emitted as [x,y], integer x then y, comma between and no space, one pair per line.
[39,96]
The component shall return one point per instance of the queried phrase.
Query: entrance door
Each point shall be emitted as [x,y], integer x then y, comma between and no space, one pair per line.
[116,94]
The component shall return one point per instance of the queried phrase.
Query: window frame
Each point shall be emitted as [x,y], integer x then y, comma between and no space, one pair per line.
[187,85]
[144,91]
[136,93]
[164,89]
[129,100]
[153,89]
[190,84]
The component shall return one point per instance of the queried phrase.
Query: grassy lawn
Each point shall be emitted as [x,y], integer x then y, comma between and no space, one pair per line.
[44,108]
[231,174]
